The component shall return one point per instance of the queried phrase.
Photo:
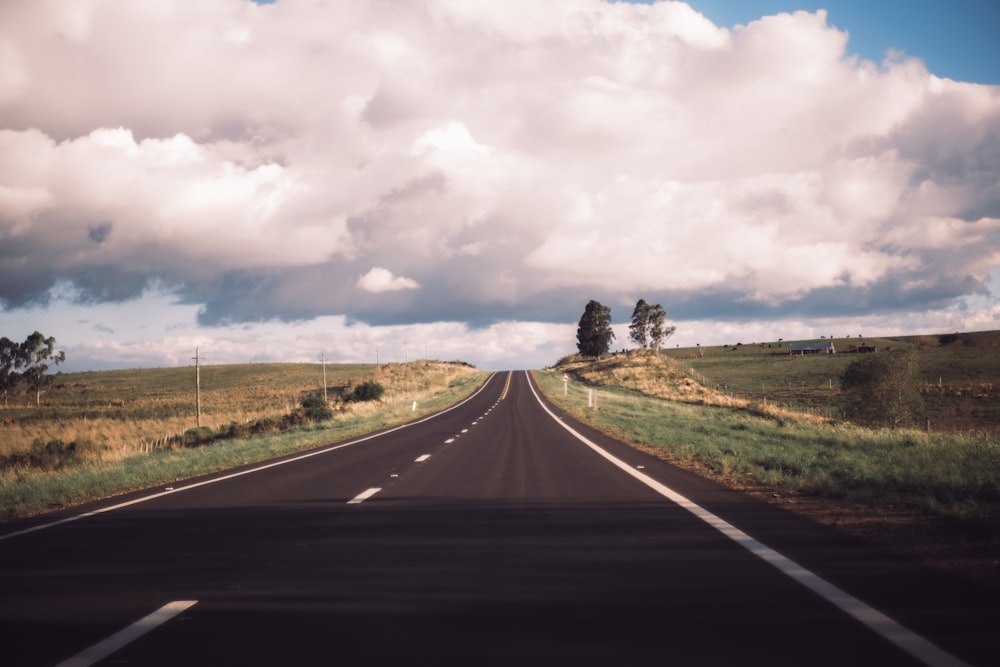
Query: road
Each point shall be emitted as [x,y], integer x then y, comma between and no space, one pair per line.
[487,535]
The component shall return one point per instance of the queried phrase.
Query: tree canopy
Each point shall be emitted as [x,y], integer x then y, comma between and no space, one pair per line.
[638,331]
[27,362]
[594,333]
[648,328]
[9,365]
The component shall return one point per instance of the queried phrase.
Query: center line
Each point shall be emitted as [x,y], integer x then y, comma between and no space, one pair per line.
[421,459]
[363,496]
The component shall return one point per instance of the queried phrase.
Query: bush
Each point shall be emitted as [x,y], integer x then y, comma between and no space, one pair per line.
[291,420]
[195,437]
[263,425]
[234,431]
[883,389]
[51,455]
[367,391]
[316,408]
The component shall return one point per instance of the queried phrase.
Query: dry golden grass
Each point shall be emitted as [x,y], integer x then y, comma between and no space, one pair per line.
[125,413]
[660,376]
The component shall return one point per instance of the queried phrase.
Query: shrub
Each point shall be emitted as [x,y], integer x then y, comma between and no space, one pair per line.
[883,389]
[291,420]
[234,430]
[51,455]
[368,391]
[195,437]
[263,425]
[316,408]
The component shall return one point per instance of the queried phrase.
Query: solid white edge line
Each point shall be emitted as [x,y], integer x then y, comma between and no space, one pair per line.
[890,629]
[249,471]
[124,637]
[364,495]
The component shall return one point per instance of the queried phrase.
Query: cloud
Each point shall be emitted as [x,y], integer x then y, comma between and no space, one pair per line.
[511,160]
[382,280]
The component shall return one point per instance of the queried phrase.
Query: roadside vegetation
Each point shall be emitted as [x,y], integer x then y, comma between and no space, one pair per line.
[853,474]
[102,433]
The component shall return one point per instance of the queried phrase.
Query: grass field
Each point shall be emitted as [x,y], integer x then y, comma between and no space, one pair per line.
[959,375]
[117,416]
[121,412]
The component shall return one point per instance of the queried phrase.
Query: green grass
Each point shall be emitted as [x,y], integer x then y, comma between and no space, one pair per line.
[945,475]
[957,373]
[28,492]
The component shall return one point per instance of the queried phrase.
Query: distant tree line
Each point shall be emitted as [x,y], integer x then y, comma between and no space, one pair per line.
[27,362]
[648,329]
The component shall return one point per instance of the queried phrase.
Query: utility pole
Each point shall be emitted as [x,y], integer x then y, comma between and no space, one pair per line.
[378,367]
[197,385]
[323,359]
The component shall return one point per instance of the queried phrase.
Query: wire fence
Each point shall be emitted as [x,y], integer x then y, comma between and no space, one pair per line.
[809,402]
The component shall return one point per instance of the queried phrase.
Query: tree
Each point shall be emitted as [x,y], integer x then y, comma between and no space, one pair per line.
[883,389]
[648,328]
[9,365]
[594,333]
[658,330]
[638,330]
[35,354]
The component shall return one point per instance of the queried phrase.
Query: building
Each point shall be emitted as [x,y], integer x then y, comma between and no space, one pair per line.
[813,348]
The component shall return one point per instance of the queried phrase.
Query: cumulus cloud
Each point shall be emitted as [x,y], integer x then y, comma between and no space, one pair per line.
[382,280]
[512,160]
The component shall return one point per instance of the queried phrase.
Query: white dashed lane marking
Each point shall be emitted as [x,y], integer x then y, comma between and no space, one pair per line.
[363,496]
[123,638]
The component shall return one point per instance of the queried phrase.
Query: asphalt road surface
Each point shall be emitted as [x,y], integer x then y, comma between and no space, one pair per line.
[487,535]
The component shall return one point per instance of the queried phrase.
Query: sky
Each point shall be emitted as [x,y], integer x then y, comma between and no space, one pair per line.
[456,179]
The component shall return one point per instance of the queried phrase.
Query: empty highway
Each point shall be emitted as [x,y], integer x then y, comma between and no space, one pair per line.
[496,533]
